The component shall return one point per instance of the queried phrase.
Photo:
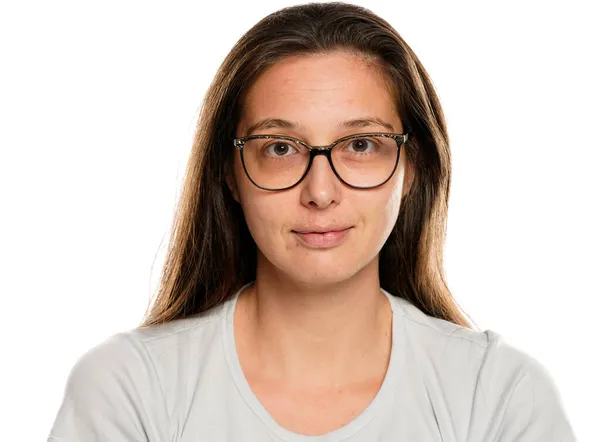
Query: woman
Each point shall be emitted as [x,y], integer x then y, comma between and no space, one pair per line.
[303,296]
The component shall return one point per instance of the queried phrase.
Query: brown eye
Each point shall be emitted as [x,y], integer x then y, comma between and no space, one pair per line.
[361,145]
[280,149]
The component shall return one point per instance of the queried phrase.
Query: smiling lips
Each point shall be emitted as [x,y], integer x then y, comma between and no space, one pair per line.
[322,237]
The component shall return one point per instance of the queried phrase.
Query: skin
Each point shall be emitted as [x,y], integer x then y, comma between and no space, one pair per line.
[315,325]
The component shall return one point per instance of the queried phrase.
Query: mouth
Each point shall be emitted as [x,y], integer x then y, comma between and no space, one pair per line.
[322,239]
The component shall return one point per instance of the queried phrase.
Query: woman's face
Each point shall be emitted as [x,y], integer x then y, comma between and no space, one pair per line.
[317,93]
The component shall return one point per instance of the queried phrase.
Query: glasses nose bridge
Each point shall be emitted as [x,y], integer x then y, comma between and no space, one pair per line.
[314,151]
[321,150]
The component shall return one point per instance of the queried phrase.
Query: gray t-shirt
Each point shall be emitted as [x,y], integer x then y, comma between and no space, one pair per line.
[182,382]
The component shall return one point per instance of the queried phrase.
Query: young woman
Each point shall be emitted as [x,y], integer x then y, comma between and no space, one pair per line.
[303,296]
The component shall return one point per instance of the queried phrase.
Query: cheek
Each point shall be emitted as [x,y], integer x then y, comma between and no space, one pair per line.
[262,210]
[393,202]
[385,206]
[262,217]
[380,217]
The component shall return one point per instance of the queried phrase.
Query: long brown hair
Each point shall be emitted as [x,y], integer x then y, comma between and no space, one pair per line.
[211,253]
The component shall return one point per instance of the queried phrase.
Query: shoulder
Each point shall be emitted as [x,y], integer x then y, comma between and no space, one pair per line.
[483,348]
[498,363]
[146,356]
[175,336]
[517,397]
[506,369]
[145,348]
[507,393]
[436,335]
[129,385]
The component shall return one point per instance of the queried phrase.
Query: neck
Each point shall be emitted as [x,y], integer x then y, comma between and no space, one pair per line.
[318,335]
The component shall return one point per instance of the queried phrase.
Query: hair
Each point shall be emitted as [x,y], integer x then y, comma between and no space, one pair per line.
[211,253]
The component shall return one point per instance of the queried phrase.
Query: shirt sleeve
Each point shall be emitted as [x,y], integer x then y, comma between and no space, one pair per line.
[516,399]
[535,411]
[112,394]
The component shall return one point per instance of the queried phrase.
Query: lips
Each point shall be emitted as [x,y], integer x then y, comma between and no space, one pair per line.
[320,229]
[323,238]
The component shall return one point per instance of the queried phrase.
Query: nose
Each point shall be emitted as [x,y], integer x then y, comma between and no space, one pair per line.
[320,187]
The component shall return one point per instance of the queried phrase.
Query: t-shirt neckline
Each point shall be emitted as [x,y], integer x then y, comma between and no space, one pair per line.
[371,411]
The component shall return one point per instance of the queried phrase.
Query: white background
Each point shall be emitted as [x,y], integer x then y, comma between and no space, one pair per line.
[98,102]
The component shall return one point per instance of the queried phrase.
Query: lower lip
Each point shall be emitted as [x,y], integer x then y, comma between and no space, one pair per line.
[323,240]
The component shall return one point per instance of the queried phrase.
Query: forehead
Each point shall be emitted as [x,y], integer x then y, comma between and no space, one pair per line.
[319,90]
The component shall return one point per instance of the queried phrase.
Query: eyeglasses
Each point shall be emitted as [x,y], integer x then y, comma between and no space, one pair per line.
[361,161]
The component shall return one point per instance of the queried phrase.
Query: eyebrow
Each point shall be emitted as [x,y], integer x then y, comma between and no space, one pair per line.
[269,123]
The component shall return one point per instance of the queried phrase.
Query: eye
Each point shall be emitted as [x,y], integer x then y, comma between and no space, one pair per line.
[361,145]
[279,149]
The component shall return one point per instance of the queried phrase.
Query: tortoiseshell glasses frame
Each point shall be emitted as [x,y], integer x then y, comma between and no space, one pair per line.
[322,150]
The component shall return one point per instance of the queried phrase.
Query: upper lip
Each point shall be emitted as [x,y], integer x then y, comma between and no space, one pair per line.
[320,229]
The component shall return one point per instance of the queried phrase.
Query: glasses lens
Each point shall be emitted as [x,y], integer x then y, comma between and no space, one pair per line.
[365,161]
[275,163]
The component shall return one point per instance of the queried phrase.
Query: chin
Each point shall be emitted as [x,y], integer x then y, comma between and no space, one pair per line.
[316,266]
[313,270]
